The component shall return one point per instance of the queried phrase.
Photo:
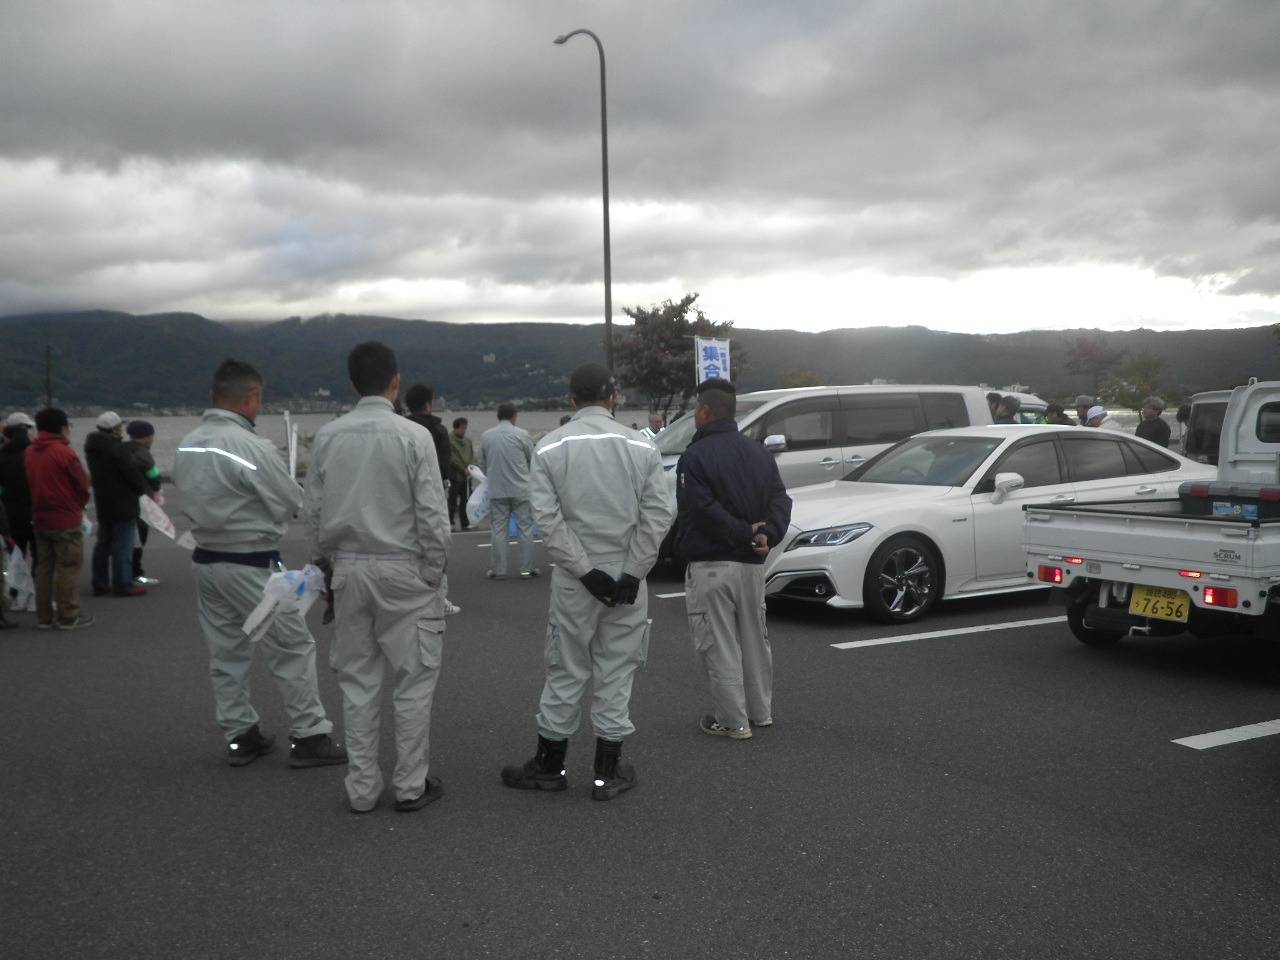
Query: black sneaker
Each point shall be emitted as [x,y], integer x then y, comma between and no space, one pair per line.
[319,750]
[432,791]
[249,746]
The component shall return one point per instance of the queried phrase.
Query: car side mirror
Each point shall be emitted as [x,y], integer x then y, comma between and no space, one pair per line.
[775,443]
[1006,483]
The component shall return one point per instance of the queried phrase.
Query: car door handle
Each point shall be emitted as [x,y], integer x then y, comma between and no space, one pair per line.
[855,459]
[1146,488]
[828,461]
[1063,498]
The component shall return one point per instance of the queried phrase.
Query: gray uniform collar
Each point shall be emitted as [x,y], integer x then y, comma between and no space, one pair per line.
[594,410]
[220,413]
[376,402]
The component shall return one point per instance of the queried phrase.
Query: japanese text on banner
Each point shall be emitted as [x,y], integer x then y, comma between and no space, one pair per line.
[712,359]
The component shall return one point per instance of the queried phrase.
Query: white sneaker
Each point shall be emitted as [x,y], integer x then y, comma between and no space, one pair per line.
[451,608]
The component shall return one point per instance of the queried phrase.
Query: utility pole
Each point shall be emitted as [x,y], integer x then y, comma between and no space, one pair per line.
[48,375]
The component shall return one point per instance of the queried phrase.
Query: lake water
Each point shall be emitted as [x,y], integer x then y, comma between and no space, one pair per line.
[171,430]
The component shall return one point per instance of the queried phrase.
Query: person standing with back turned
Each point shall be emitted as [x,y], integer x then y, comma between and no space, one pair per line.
[240,497]
[506,456]
[602,501]
[376,510]
[733,507]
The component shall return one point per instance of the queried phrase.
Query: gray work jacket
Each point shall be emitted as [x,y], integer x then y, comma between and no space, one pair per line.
[506,453]
[373,487]
[234,485]
[600,496]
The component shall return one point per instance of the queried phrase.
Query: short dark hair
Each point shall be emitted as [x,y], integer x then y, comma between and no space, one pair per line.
[459,422]
[51,420]
[234,379]
[371,366]
[591,383]
[418,396]
[506,411]
[993,397]
[1052,408]
[719,396]
[1011,403]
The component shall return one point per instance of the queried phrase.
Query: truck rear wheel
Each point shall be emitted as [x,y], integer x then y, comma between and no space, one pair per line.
[1086,634]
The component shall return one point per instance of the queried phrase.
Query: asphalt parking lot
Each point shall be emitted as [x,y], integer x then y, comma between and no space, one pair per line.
[982,793]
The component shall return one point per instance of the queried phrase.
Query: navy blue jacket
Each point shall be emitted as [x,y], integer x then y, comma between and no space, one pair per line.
[725,482]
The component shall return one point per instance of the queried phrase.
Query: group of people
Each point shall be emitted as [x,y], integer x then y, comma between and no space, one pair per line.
[44,489]
[376,513]
[1089,413]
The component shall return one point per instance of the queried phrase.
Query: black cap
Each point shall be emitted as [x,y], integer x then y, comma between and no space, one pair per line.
[591,383]
[137,429]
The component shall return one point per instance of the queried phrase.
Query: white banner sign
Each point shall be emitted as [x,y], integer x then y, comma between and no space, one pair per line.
[712,359]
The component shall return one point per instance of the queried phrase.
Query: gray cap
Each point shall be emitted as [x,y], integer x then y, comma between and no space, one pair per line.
[109,420]
[1084,401]
[19,419]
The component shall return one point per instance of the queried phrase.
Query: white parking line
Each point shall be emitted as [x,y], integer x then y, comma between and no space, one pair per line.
[958,631]
[669,596]
[1217,738]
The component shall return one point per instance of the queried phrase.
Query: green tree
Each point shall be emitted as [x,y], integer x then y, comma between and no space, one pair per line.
[1136,381]
[656,355]
[1092,357]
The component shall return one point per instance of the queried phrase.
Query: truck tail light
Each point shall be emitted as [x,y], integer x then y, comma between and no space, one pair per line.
[1269,494]
[1193,574]
[1198,490]
[1220,597]
[1050,574]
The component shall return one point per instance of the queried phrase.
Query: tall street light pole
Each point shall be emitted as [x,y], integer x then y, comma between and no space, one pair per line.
[604,179]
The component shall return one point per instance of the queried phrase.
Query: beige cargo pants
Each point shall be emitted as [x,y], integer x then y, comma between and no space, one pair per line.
[588,641]
[725,603]
[386,615]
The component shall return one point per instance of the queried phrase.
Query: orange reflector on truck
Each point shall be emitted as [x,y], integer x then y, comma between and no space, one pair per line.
[1075,560]
[1050,574]
[1193,574]
[1220,597]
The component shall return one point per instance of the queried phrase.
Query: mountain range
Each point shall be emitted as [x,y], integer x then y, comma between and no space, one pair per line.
[165,360]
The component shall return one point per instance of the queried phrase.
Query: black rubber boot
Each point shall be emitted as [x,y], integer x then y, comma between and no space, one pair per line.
[544,772]
[249,746]
[613,774]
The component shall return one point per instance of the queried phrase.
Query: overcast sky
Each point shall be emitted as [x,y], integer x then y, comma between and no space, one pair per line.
[970,166]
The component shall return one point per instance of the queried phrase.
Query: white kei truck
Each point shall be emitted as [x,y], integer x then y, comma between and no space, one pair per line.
[1208,562]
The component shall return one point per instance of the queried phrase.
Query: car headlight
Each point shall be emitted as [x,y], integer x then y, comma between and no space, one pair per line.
[830,536]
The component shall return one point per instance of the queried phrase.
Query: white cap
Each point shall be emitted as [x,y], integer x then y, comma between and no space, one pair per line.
[109,420]
[19,419]
[1095,411]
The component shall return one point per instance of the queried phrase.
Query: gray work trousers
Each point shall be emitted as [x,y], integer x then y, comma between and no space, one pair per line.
[725,603]
[500,509]
[386,615]
[226,595]
[588,641]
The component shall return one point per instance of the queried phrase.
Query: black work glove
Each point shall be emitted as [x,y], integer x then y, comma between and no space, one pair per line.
[627,590]
[601,586]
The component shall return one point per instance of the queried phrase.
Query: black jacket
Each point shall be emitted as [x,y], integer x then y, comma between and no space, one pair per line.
[725,482]
[1157,431]
[16,494]
[145,462]
[117,481]
[439,434]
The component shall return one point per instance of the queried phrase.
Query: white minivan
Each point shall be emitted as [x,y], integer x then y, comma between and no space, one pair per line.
[822,433]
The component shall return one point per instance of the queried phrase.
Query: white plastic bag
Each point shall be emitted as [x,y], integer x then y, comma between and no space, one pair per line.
[478,502]
[156,518]
[285,591]
[19,582]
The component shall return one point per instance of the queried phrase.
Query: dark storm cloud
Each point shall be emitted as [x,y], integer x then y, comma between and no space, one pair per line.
[293,147]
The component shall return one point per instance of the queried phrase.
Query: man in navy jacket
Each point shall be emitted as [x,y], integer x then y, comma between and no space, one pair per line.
[733,507]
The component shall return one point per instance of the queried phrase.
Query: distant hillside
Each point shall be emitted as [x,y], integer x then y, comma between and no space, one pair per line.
[165,360]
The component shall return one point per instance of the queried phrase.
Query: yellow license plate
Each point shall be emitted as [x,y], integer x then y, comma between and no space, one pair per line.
[1160,603]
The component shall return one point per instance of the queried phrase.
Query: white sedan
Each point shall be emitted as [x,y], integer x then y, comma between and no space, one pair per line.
[939,515]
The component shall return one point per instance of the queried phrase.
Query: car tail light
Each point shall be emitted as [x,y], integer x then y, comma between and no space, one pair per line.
[1198,489]
[1220,597]
[1050,574]
[1193,574]
[1076,560]
[1269,494]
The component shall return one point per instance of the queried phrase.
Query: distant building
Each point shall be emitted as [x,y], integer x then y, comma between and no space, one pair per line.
[490,358]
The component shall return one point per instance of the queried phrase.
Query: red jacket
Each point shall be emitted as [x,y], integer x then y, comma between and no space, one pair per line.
[59,485]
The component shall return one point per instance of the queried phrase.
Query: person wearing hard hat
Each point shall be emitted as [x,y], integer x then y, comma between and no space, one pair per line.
[603,503]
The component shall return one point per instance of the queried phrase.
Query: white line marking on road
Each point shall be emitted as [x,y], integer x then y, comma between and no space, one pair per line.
[958,631]
[1217,738]
[669,596]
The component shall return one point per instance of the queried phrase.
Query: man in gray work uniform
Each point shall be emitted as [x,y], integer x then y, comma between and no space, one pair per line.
[604,505]
[506,455]
[376,509]
[239,496]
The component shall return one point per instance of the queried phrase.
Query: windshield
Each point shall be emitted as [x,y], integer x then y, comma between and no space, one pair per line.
[928,461]
[671,442]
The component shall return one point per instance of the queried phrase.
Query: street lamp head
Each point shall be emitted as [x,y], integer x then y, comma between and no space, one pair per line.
[562,38]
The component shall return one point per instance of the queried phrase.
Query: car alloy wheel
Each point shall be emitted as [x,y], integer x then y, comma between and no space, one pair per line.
[902,580]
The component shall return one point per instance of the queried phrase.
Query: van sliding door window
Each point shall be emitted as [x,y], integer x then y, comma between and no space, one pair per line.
[881,419]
